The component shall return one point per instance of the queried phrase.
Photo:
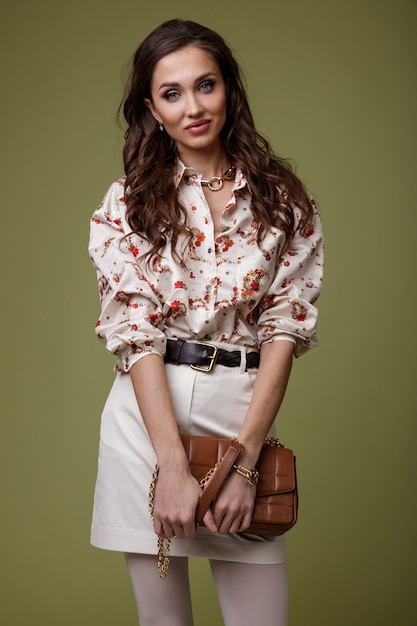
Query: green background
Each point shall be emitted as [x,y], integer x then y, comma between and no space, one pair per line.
[333,85]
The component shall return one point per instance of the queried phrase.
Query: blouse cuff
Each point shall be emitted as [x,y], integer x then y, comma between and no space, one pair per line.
[301,344]
[125,363]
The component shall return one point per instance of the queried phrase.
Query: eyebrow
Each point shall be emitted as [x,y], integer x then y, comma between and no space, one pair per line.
[197,80]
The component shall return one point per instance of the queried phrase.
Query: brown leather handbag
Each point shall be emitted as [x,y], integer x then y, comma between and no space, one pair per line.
[211,460]
[276,502]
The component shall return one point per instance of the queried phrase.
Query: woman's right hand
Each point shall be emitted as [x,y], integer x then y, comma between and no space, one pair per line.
[175,502]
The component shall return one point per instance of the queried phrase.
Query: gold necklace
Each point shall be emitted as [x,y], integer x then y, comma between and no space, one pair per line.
[215,183]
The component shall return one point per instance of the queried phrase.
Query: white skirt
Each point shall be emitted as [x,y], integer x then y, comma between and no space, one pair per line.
[205,404]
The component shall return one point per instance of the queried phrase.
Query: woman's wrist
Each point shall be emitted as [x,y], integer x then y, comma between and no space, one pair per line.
[170,453]
[250,451]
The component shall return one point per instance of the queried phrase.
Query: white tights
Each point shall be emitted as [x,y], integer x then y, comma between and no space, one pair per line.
[248,594]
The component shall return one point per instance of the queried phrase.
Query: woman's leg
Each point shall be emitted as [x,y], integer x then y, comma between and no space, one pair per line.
[160,602]
[252,594]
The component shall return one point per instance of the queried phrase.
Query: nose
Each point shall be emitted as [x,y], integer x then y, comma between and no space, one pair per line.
[194,106]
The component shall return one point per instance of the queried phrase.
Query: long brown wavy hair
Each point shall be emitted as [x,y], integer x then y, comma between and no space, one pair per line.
[153,206]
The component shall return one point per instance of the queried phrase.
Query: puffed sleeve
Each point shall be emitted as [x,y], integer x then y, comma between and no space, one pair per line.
[287,310]
[130,324]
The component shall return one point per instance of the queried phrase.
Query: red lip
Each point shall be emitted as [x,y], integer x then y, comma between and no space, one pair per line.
[197,124]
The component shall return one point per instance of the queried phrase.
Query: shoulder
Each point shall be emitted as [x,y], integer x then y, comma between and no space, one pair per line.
[112,209]
[115,194]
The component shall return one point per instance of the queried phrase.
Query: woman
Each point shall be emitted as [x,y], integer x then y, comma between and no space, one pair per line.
[208,239]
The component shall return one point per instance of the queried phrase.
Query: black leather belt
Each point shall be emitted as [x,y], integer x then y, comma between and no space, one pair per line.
[204,356]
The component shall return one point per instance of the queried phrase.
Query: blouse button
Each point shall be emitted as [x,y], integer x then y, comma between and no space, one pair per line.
[209,250]
[207,337]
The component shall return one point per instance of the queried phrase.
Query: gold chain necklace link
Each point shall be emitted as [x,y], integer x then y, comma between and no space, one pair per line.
[215,183]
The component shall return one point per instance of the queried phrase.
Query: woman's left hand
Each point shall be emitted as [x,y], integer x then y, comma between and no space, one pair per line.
[233,507]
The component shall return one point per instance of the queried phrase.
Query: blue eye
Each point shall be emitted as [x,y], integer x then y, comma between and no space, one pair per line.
[171,95]
[207,85]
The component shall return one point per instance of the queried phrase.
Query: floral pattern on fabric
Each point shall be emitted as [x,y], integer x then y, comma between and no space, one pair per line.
[228,288]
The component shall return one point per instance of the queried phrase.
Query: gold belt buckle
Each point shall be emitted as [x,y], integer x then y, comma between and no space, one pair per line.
[212,357]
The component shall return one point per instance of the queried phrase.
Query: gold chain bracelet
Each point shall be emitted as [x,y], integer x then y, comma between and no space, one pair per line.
[251,475]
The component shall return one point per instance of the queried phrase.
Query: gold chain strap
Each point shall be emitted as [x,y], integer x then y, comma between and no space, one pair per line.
[164,552]
[206,478]
[164,545]
[274,442]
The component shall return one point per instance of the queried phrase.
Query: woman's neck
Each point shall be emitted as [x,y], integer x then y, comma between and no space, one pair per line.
[208,164]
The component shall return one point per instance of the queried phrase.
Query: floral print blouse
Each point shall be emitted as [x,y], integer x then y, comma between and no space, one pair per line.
[228,288]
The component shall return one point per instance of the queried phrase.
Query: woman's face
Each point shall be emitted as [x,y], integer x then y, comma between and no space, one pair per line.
[189,99]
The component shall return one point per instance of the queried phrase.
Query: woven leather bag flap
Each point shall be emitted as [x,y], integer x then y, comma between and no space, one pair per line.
[203,453]
[276,467]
